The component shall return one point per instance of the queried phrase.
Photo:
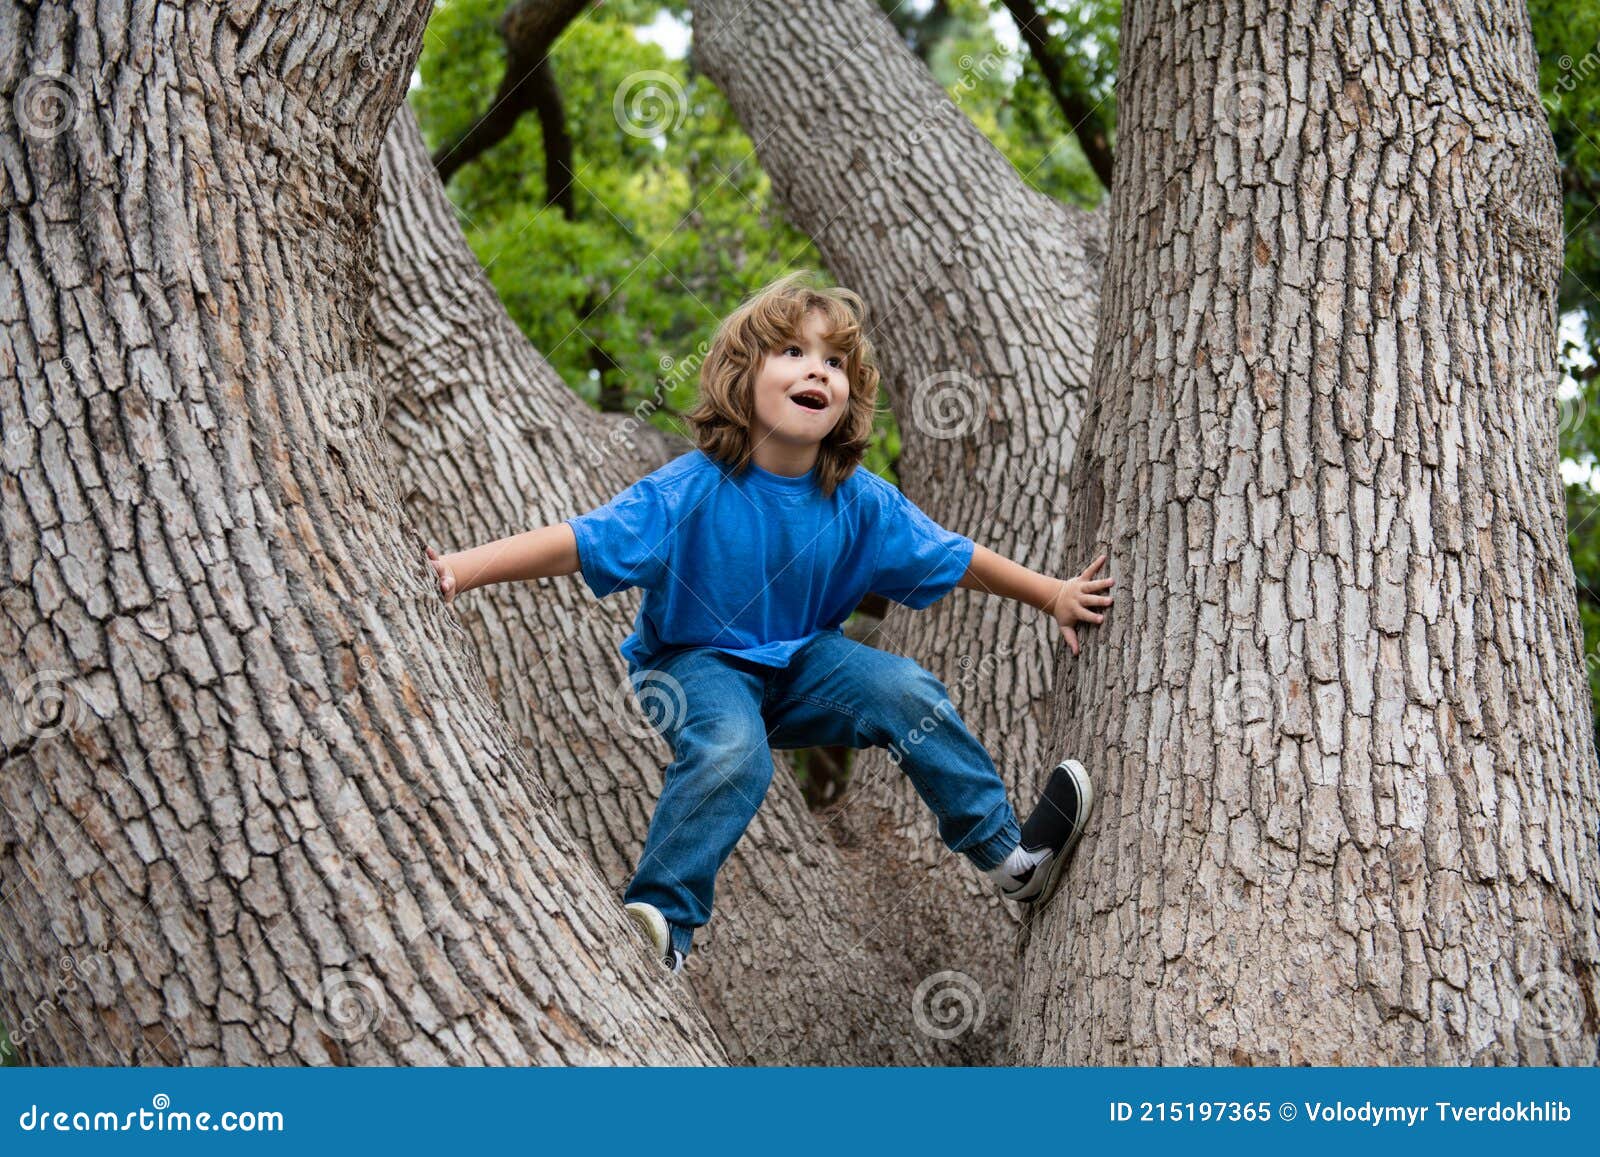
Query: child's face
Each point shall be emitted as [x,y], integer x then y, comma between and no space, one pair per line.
[803,367]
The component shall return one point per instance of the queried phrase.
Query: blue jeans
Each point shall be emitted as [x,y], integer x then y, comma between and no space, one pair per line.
[721,714]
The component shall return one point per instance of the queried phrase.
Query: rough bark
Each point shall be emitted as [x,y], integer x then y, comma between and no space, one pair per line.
[983,295]
[254,803]
[489,442]
[1349,791]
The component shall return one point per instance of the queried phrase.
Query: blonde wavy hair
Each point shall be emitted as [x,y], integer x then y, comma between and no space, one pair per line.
[723,413]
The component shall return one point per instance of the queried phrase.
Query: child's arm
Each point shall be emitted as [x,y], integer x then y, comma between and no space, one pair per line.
[1066,600]
[549,550]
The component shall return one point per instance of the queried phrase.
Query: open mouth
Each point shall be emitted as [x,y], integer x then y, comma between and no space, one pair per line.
[810,399]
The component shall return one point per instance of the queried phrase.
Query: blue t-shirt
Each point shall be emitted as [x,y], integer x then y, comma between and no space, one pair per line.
[758,564]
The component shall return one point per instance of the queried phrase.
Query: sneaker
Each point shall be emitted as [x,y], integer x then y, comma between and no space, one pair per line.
[1050,833]
[649,920]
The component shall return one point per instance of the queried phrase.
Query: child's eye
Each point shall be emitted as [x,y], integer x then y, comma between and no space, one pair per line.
[837,363]
[794,349]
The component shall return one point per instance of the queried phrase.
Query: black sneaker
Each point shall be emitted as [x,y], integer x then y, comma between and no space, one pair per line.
[1053,827]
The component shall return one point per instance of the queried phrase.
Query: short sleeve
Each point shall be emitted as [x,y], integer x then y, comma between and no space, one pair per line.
[919,561]
[625,543]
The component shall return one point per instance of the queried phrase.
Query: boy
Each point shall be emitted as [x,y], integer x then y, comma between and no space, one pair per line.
[752,550]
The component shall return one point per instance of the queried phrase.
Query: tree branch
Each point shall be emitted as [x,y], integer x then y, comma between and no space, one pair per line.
[529,29]
[1076,104]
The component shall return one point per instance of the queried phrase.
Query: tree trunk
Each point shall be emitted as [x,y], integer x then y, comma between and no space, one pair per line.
[256,806]
[1348,786]
[983,295]
[794,967]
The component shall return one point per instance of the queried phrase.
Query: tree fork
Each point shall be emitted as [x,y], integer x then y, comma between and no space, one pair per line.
[488,442]
[982,296]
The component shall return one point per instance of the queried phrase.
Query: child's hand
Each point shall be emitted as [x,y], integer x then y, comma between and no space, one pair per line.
[1076,596]
[442,571]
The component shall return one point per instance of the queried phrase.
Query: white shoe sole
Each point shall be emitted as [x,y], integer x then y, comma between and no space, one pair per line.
[649,920]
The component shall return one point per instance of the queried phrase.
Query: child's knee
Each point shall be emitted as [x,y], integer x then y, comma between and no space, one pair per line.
[919,692]
[728,749]
[912,700]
